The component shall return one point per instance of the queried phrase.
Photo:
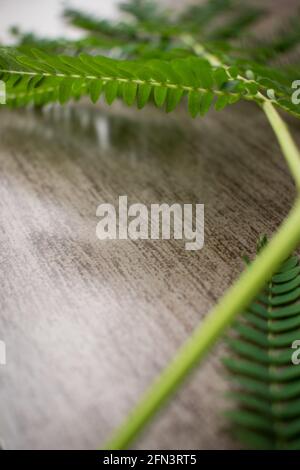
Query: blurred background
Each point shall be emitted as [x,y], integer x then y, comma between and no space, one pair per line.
[44,18]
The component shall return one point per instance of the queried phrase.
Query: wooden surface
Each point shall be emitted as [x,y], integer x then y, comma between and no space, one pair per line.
[88,324]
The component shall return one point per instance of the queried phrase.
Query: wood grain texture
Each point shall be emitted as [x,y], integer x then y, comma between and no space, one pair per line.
[88,324]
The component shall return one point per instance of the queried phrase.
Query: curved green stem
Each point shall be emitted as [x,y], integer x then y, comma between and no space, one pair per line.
[287,144]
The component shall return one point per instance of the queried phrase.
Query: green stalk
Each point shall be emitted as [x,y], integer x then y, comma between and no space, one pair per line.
[235,300]
[285,140]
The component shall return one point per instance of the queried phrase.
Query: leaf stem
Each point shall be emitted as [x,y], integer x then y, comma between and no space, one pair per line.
[287,144]
[106,78]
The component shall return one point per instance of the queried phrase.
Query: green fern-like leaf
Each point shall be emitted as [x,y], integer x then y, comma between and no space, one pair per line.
[40,78]
[161,65]
[265,382]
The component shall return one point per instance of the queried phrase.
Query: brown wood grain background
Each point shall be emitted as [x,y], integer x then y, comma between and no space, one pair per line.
[89,324]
